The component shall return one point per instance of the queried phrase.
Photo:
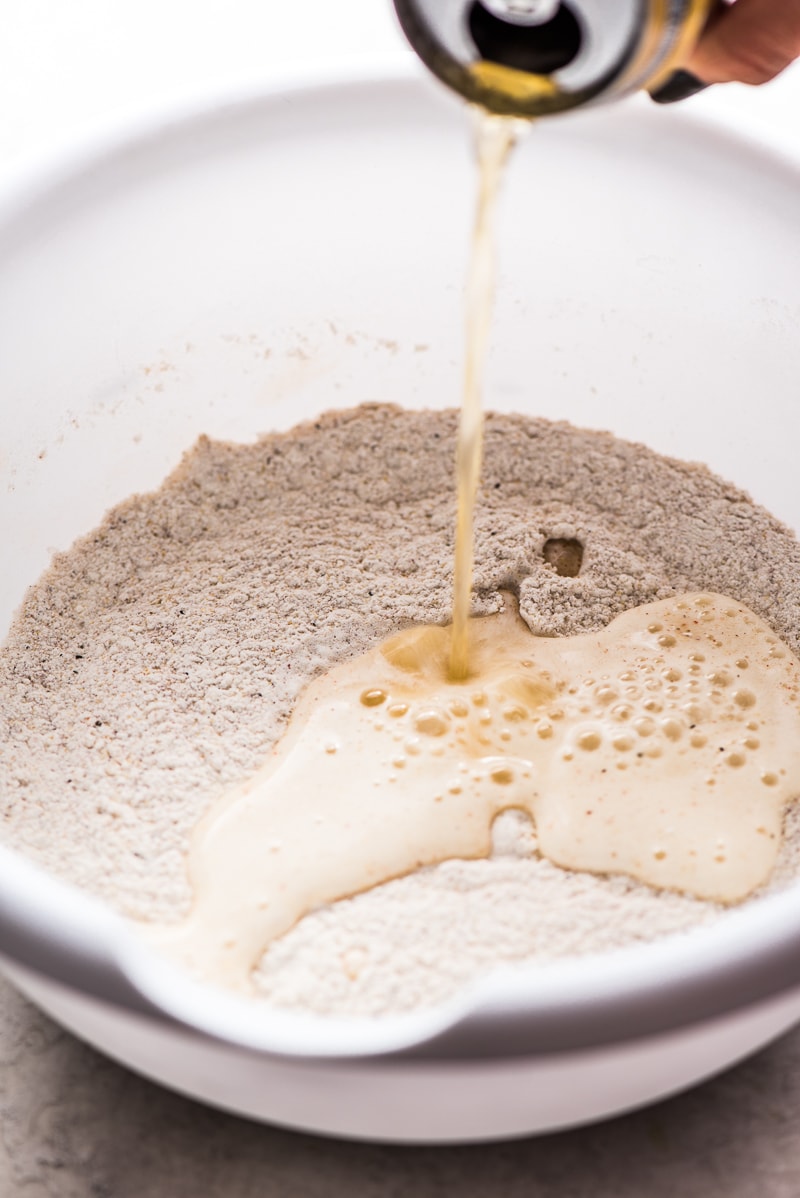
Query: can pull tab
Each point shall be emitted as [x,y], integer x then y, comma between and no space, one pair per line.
[524,12]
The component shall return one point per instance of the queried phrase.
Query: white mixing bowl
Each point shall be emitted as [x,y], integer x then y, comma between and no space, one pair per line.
[650,285]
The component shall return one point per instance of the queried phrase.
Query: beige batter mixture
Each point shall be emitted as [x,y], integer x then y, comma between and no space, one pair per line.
[155,663]
[664,747]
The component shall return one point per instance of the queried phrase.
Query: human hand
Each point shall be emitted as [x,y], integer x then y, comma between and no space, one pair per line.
[747,41]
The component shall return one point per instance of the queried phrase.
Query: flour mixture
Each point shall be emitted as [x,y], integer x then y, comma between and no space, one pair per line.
[157,662]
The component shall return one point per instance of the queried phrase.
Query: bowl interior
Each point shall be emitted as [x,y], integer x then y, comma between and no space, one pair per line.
[242,271]
[247,269]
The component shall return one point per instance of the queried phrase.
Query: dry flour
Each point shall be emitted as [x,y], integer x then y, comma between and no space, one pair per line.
[156,662]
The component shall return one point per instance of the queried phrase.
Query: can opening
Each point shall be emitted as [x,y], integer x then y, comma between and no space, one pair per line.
[537,49]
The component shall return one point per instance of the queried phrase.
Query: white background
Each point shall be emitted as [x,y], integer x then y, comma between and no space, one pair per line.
[71,70]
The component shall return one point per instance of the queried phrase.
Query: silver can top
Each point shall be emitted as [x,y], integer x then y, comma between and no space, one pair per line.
[533,57]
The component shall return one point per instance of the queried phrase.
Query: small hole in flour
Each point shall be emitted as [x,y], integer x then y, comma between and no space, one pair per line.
[565,556]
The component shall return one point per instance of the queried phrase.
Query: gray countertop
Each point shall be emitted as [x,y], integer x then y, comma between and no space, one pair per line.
[74,1125]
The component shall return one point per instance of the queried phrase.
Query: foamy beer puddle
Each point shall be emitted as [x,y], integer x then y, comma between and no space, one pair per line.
[663,747]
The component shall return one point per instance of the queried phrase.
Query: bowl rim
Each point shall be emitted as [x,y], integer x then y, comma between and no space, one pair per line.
[55,930]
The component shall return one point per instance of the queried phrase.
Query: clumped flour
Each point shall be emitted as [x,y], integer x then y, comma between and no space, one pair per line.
[155,663]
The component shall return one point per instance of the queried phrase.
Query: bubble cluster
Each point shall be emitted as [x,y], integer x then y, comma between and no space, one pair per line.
[679,699]
[681,696]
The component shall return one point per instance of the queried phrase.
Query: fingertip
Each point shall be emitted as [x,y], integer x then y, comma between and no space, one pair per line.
[748,42]
[679,86]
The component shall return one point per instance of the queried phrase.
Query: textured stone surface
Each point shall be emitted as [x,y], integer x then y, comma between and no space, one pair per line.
[73,1125]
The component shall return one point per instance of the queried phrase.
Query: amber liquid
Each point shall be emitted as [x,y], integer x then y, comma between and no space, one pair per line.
[494,136]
